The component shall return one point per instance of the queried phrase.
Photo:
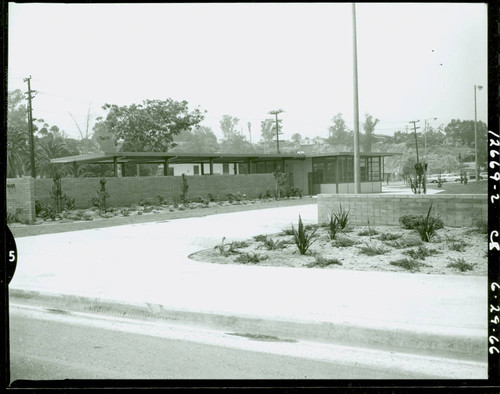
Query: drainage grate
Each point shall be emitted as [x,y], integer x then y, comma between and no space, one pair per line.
[261,337]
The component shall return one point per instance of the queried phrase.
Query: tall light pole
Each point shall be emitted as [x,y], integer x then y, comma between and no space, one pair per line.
[425,147]
[357,181]
[475,130]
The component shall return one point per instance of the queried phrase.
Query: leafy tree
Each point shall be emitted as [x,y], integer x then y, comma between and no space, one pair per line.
[51,146]
[461,133]
[369,128]
[103,136]
[236,144]
[268,130]
[200,140]
[148,127]
[228,126]
[296,138]
[339,135]
[17,135]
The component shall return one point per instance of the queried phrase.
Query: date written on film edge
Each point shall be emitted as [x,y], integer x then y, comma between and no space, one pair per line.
[494,246]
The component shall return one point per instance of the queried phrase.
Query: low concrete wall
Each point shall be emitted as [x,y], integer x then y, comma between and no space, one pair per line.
[20,198]
[130,190]
[455,210]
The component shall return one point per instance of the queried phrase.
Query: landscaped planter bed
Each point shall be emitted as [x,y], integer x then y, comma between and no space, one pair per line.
[464,248]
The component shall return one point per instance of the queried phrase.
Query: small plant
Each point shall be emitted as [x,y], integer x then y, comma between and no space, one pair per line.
[420,253]
[372,250]
[428,227]
[369,232]
[227,249]
[125,212]
[184,188]
[342,217]
[211,197]
[260,238]
[99,200]
[481,226]
[456,246]
[321,262]
[333,226]
[389,237]
[287,231]
[56,193]
[411,222]
[404,243]
[239,244]
[461,265]
[250,258]
[408,264]
[147,209]
[270,244]
[344,242]
[87,216]
[14,217]
[301,238]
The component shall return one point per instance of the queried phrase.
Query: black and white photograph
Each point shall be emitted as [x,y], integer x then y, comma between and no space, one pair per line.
[249,191]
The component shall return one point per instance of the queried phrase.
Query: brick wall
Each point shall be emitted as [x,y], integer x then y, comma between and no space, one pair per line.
[455,210]
[130,190]
[20,196]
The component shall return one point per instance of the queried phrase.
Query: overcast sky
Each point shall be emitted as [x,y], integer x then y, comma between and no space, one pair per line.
[415,61]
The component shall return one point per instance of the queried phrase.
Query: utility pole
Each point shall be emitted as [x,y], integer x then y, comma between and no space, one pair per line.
[415,130]
[30,125]
[357,177]
[250,131]
[276,112]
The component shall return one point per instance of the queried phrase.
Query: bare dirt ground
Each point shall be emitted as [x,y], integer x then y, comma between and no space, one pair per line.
[454,251]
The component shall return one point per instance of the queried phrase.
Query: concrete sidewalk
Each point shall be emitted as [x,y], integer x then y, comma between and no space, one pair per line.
[144,269]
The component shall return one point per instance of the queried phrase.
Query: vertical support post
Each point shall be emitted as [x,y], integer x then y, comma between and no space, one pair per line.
[211,167]
[115,167]
[202,168]
[357,183]
[75,170]
[235,169]
[249,166]
[123,169]
[165,167]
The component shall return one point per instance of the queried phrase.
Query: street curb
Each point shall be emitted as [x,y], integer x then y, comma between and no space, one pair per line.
[468,344]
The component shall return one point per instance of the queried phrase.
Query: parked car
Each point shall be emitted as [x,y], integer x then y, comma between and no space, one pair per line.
[432,178]
[450,177]
[483,175]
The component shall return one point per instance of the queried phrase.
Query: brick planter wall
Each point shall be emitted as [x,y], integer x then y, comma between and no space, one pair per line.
[459,210]
[20,195]
[130,190]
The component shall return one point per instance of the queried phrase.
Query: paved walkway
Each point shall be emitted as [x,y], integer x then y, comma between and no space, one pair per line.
[148,264]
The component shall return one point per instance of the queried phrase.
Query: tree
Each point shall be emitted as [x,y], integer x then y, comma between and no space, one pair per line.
[461,133]
[148,127]
[228,126]
[339,135]
[369,128]
[52,145]
[268,130]
[200,140]
[236,144]
[17,135]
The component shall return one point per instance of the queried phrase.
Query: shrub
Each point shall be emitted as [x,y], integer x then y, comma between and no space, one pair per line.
[344,242]
[461,265]
[288,231]
[420,253]
[270,244]
[389,237]
[14,217]
[411,222]
[184,188]
[301,238]
[239,244]
[481,226]
[428,227]
[99,200]
[321,262]
[211,197]
[333,226]
[69,203]
[125,212]
[372,250]
[456,246]
[369,232]
[87,216]
[260,238]
[147,209]
[228,249]
[408,264]
[250,258]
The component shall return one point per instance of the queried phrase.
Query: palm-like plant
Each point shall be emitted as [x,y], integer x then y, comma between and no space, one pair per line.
[17,155]
[302,239]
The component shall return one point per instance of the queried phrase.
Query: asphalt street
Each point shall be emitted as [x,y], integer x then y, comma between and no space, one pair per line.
[59,345]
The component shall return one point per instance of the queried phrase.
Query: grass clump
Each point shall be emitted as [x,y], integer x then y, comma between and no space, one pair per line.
[408,264]
[322,262]
[250,258]
[411,222]
[456,246]
[271,244]
[287,231]
[302,239]
[372,250]
[260,238]
[226,249]
[389,236]
[344,242]
[421,252]
[368,232]
[461,265]
[404,243]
